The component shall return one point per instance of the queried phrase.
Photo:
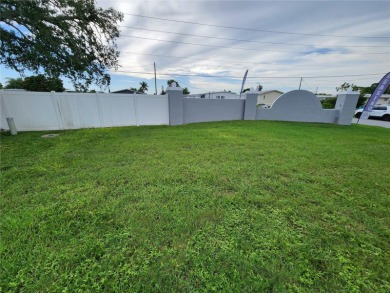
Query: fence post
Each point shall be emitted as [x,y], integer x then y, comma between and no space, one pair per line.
[100,108]
[250,110]
[11,125]
[4,110]
[57,109]
[175,104]
[346,104]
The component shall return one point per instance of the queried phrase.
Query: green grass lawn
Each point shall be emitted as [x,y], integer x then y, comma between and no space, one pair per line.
[232,206]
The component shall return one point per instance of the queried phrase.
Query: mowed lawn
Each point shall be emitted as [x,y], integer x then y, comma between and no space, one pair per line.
[232,206]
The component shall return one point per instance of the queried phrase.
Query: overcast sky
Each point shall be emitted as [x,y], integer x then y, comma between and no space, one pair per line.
[208,45]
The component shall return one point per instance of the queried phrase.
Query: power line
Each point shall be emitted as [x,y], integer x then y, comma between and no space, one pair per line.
[310,88]
[131,66]
[220,67]
[250,41]
[188,85]
[264,77]
[239,62]
[239,48]
[252,29]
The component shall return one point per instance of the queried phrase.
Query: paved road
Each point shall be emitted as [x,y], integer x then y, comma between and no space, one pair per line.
[372,122]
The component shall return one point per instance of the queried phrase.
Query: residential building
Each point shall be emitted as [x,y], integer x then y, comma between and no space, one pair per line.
[267,98]
[127,91]
[215,95]
[383,100]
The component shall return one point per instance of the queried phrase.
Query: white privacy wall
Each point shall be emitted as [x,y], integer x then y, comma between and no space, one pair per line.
[55,111]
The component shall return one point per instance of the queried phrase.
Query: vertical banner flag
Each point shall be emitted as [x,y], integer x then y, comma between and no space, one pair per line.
[380,88]
[243,82]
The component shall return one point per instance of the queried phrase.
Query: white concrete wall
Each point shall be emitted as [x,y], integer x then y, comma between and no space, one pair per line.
[53,111]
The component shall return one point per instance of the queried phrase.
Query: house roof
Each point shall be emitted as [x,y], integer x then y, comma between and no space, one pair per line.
[126,91]
[271,91]
[220,92]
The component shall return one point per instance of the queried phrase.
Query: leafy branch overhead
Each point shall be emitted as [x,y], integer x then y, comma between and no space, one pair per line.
[71,38]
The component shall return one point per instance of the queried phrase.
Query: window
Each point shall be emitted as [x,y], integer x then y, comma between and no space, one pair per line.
[380,108]
[222,97]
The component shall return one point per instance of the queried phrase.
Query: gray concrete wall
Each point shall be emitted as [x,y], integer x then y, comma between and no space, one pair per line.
[299,106]
[250,105]
[346,104]
[175,105]
[206,110]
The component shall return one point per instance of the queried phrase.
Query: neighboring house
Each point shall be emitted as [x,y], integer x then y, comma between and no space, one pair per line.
[323,97]
[215,95]
[127,91]
[265,98]
[268,97]
[383,100]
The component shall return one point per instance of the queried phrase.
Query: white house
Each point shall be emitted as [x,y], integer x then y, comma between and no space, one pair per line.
[267,98]
[383,100]
[215,95]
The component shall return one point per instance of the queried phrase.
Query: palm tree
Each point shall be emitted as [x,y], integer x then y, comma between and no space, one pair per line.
[144,86]
[169,82]
[186,91]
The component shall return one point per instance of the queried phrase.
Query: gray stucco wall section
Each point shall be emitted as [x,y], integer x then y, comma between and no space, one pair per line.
[175,104]
[250,106]
[207,110]
[298,106]
[346,104]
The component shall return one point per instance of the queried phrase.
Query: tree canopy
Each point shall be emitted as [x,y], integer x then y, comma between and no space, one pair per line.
[38,83]
[345,86]
[169,83]
[186,91]
[363,91]
[67,38]
[15,83]
[143,86]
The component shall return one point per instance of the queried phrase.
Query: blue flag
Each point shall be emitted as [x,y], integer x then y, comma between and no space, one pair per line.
[243,82]
[379,90]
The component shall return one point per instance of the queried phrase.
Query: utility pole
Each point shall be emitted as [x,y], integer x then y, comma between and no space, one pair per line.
[155,80]
[300,83]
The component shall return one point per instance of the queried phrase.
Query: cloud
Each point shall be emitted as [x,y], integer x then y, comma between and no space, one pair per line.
[290,39]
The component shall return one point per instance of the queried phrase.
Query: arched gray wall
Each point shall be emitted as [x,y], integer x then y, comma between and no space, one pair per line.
[300,106]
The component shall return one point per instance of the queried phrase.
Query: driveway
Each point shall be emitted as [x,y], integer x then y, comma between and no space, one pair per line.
[372,122]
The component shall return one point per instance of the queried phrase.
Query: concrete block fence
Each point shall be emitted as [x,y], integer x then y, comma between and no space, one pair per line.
[298,106]
[34,111]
